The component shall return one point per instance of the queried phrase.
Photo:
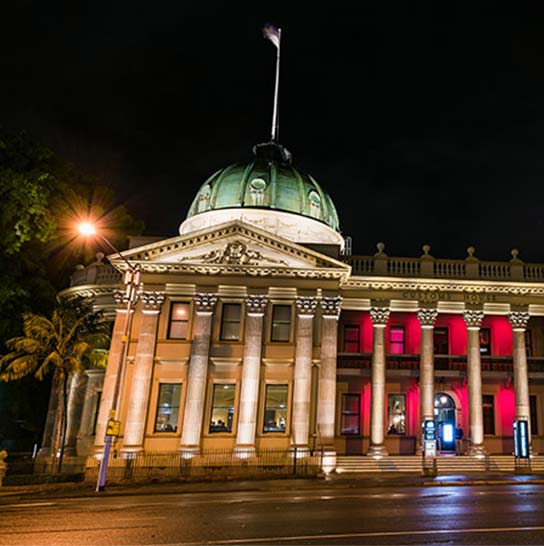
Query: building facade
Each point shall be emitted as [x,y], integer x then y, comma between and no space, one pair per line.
[253,330]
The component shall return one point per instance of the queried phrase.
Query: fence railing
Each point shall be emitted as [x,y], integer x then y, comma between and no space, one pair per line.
[208,465]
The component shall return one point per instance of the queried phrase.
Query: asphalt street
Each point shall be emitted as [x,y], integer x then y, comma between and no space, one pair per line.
[321,514]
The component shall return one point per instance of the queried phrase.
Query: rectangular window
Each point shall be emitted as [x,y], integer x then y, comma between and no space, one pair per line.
[168,407]
[351,415]
[485,341]
[96,410]
[396,414]
[488,401]
[222,408]
[275,408]
[533,417]
[230,322]
[178,327]
[441,341]
[281,322]
[528,343]
[352,338]
[396,340]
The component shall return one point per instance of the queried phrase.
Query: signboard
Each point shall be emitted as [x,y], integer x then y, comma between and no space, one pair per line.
[521,439]
[429,429]
[429,447]
[113,428]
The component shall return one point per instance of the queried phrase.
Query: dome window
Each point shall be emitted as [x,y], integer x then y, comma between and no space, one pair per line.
[256,191]
[315,204]
[203,199]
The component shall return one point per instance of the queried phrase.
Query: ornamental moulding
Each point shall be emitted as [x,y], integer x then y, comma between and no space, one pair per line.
[331,306]
[427,317]
[473,318]
[379,315]
[306,305]
[441,287]
[519,319]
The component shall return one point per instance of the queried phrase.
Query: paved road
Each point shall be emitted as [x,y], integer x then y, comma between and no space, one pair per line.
[324,514]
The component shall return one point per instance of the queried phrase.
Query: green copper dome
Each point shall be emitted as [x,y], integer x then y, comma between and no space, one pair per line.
[267,182]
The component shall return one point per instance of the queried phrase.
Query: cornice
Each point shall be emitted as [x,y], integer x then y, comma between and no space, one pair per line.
[88,291]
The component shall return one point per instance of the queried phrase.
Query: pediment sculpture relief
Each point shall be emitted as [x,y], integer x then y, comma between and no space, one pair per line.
[234,253]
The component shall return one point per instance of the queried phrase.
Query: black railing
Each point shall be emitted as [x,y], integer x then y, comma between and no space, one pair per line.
[208,465]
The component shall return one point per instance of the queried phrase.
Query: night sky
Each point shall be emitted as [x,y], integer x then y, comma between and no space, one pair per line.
[425,122]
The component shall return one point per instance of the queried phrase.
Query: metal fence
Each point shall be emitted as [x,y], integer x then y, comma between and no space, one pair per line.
[207,465]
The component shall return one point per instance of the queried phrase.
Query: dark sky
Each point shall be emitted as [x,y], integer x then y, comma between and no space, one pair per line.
[424,121]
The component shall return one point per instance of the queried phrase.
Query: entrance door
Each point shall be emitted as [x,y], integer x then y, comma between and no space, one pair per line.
[444,413]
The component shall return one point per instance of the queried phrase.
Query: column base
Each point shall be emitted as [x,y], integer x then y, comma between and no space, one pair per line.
[299,451]
[377,452]
[244,452]
[131,451]
[477,451]
[188,452]
[328,460]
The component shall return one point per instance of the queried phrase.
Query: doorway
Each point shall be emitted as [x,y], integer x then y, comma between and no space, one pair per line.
[444,414]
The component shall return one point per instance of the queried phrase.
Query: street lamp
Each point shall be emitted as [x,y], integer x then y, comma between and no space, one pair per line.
[132,282]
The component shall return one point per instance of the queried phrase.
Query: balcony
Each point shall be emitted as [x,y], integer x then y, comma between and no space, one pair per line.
[441,362]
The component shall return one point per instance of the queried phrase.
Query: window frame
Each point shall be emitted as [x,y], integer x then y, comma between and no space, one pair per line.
[402,395]
[239,321]
[533,414]
[346,328]
[398,328]
[209,410]
[488,344]
[343,412]
[271,322]
[492,406]
[287,408]
[173,303]
[180,407]
[446,330]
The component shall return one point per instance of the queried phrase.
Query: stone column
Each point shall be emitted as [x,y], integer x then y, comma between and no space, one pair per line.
[380,316]
[95,379]
[519,320]
[326,398]
[302,388]
[427,318]
[112,368]
[198,373]
[249,391]
[138,395]
[76,399]
[473,320]
[49,428]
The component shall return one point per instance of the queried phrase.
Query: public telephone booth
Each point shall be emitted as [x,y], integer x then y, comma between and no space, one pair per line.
[444,412]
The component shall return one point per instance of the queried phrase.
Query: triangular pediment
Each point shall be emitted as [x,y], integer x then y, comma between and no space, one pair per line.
[233,245]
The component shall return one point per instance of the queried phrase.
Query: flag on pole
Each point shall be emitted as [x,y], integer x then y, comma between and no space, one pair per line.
[270,32]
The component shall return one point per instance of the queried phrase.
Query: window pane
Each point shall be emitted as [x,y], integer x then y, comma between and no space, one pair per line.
[230,322]
[222,408]
[485,341]
[396,334]
[275,408]
[396,340]
[396,412]
[281,322]
[489,413]
[168,407]
[351,414]
[441,345]
[179,321]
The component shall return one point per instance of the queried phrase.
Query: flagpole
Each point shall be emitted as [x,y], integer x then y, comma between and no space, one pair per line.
[275,117]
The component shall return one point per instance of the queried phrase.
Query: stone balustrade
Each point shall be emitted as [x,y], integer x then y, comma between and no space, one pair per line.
[428,266]
[95,273]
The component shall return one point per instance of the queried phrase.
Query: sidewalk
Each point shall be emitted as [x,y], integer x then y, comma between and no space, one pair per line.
[345,481]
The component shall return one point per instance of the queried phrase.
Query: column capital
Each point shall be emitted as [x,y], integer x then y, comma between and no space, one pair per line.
[379,316]
[256,304]
[205,302]
[121,300]
[518,319]
[473,318]
[427,317]
[331,306]
[152,300]
[306,305]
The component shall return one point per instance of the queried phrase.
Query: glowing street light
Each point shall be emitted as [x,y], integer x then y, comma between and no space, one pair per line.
[132,282]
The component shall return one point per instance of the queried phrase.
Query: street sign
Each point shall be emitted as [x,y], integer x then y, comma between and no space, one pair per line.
[521,439]
[113,428]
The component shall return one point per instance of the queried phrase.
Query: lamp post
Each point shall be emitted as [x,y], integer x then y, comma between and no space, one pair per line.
[132,282]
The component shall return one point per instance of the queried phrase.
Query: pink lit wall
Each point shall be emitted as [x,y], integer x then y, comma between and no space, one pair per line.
[505,409]
[501,335]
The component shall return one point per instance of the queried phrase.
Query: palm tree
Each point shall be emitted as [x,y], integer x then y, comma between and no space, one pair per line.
[74,339]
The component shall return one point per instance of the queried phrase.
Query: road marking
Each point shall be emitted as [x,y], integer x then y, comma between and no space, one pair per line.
[28,505]
[279,539]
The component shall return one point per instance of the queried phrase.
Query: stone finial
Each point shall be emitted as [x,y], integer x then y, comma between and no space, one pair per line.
[473,318]
[379,315]
[306,305]
[380,247]
[426,249]
[515,253]
[80,267]
[99,257]
[256,304]
[427,317]
[331,306]
[470,251]
[205,302]
[151,299]
[518,319]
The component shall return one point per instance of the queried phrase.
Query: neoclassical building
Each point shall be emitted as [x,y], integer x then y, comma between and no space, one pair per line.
[254,329]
